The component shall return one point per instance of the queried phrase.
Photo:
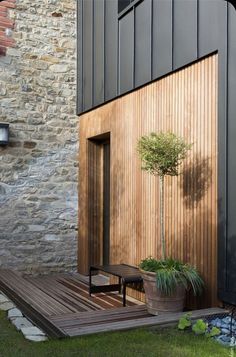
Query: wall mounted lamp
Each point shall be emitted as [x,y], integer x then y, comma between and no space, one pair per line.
[4,133]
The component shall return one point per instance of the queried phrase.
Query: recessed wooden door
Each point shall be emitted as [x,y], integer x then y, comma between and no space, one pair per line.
[99,200]
[106,202]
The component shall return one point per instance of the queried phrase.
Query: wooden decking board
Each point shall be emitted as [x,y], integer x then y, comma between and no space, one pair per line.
[94,314]
[160,320]
[109,302]
[29,308]
[53,290]
[31,294]
[100,317]
[55,303]
[74,294]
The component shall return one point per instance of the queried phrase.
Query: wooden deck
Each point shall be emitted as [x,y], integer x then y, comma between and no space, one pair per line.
[61,306]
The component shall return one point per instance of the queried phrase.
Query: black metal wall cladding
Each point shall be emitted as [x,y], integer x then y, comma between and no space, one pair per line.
[121,52]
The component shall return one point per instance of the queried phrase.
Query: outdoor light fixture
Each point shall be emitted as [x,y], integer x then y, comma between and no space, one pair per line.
[4,133]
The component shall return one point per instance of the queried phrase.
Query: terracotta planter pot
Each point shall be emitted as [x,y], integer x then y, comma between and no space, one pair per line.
[158,302]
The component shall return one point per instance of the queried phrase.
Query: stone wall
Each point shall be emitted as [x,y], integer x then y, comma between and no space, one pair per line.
[38,169]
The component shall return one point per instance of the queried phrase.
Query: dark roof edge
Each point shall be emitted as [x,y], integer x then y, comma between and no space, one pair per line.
[233,2]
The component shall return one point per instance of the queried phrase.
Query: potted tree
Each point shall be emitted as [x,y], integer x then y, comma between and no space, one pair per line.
[165,279]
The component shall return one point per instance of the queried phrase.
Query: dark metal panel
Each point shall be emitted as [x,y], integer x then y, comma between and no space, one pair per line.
[143,23]
[126,52]
[98,80]
[161,38]
[87,36]
[79,83]
[111,48]
[184,32]
[213,36]
[231,244]
[211,25]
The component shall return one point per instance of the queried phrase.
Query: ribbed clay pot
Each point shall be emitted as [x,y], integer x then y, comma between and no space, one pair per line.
[158,302]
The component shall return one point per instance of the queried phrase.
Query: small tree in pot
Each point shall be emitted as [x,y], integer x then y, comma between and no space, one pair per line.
[165,280]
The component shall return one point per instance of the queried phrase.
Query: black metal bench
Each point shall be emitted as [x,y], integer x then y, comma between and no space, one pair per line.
[127,274]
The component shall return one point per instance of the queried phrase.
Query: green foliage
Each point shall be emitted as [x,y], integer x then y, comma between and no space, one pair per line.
[200,327]
[171,273]
[185,321]
[162,153]
[215,331]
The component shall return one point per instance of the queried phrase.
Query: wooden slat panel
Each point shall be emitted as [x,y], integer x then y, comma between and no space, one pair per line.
[186,103]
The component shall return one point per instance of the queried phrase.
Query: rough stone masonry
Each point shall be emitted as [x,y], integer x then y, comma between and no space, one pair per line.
[38,169]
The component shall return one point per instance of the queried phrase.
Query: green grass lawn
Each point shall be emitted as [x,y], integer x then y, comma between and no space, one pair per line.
[142,342]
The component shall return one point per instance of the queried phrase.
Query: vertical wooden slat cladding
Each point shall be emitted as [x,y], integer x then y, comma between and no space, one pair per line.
[111,48]
[126,53]
[184,102]
[98,52]
[231,243]
[143,22]
[87,54]
[161,38]
[184,32]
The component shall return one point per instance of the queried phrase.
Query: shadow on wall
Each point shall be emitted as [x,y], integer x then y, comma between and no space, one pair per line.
[199,231]
[197,178]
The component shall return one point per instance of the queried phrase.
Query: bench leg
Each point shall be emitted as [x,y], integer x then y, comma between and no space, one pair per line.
[91,269]
[124,293]
[120,283]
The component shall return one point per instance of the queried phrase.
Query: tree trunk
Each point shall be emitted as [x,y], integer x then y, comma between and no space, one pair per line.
[162,223]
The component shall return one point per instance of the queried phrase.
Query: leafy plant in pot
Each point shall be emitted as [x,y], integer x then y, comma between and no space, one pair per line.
[165,280]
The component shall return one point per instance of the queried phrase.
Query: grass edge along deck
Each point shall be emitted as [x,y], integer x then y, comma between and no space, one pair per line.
[32,301]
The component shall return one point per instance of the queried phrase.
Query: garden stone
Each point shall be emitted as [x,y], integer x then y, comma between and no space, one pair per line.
[226,319]
[225,331]
[225,325]
[32,331]
[13,313]
[214,322]
[36,338]
[7,306]
[225,338]
[3,299]
[21,322]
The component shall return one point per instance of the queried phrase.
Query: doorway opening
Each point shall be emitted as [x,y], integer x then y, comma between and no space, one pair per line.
[99,199]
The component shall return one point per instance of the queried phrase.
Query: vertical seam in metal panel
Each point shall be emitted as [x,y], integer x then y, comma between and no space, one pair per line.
[134,38]
[151,39]
[226,144]
[93,62]
[77,64]
[118,56]
[172,39]
[104,50]
[81,95]
[197,28]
